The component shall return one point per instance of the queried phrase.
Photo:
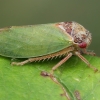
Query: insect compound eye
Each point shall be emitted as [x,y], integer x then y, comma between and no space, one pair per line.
[83,45]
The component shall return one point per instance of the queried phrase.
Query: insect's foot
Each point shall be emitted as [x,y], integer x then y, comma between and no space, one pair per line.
[90,53]
[17,63]
[93,68]
[96,70]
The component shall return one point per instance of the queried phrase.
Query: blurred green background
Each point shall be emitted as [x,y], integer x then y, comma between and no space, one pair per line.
[25,12]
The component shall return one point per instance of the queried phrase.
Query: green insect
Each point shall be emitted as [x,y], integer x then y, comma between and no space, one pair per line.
[45,41]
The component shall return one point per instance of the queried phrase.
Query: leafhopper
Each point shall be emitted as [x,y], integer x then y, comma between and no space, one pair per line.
[45,41]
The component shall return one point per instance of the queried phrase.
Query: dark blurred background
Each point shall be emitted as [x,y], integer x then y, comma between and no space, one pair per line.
[26,12]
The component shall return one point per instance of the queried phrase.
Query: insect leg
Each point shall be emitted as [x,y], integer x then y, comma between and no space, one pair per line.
[61,62]
[20,63]
[85,60]
[88,52]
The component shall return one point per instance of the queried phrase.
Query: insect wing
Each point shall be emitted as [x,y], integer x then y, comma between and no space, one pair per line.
[32,40]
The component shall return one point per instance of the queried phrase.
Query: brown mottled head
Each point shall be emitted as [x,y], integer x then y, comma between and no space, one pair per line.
[81,36]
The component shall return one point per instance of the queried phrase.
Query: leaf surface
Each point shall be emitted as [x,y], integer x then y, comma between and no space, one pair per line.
[26,82]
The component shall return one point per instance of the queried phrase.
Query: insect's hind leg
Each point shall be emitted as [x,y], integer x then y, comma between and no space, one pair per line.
[31,60]
[26,61]
[20,63]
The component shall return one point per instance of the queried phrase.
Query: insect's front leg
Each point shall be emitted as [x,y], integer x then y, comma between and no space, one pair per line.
[84,51]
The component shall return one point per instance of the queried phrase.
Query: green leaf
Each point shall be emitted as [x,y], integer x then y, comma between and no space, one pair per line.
[27,83]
